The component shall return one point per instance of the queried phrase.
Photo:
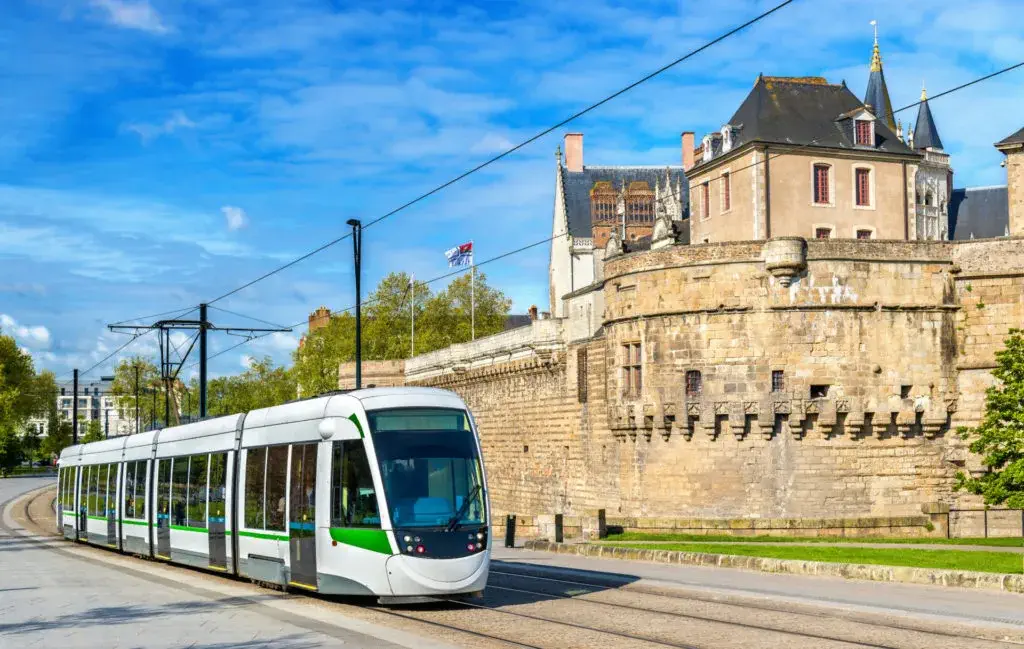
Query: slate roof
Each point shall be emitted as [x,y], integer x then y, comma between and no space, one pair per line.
[877,94]
[806,111]
[516,320]
[1016,138]
[926,134]
[979,213]
[576,186]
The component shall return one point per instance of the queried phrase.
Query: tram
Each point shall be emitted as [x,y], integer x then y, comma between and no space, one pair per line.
[378,492]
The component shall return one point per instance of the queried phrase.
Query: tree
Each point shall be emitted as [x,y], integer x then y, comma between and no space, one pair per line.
[31,443]
[23,393]
[57,438]
[442,319]
[11,453]
[261,386]
[1000,437]
[93,432]
[124,389]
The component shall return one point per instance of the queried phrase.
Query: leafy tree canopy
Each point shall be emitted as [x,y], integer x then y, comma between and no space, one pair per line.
[261,386]
[1000,437]
[442,319]
[93,432]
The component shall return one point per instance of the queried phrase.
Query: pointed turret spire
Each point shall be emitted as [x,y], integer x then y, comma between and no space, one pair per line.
[926,134]
[877,94]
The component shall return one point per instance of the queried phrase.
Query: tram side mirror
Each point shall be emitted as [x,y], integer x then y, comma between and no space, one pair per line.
[326,428]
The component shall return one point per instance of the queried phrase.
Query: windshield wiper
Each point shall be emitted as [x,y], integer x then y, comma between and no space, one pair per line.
[453,522]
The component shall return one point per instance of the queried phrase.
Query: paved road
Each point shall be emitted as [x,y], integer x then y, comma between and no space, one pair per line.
[56,594]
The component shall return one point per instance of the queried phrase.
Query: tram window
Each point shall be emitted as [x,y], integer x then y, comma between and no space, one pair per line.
[107,490]
[277,474]
[197,477]
[218,480]
[353,499]
[86,471]
[179,490]
[141,484]
[164,486]
[255,477]
[128,501]
[94,491]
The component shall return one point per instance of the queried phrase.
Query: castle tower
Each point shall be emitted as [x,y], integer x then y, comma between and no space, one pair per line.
[933,182]
[877,94]
[1013,148]
[926,134]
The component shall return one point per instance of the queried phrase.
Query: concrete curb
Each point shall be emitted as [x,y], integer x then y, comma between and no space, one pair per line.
[898,574]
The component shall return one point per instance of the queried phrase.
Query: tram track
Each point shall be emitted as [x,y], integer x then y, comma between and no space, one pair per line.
[854,618]
[544,631]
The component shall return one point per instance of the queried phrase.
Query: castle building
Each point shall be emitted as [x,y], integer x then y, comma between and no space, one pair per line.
[793,345]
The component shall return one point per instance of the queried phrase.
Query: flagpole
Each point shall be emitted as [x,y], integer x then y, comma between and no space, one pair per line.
[412,315]
[472,291]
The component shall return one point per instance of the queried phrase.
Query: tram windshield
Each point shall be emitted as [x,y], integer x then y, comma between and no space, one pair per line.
[429,466]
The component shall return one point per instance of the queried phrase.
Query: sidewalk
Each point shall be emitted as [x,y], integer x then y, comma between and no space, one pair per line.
[825,544]
[900,599]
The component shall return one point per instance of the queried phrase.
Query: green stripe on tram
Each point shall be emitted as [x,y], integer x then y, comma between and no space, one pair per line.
[367,539]
[359,427]
[131,522]
[263,535]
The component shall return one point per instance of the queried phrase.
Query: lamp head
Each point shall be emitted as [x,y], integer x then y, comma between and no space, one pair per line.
[354,222]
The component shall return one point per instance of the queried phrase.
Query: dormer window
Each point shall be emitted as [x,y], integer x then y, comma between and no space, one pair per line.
[726,138]
[708,147]
[639,202]
[865,132]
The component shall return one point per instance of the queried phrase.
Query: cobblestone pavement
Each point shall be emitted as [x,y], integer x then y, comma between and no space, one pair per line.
[57,594]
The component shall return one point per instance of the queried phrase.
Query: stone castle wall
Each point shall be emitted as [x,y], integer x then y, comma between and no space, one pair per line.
[885,347]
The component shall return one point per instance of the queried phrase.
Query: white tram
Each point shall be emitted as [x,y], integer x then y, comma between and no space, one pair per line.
[371,492]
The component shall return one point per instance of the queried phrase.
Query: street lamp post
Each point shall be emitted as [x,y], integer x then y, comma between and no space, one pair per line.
[153,425]
[138,425]
[357,249]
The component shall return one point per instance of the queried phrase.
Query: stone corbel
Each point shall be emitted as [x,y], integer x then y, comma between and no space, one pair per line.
[906,421]
[737,419]
[933,422]
[855,422]
[707,418]
[827,417]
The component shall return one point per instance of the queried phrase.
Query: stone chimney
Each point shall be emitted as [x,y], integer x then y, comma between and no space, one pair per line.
[319,318]
[573,144]
[687,150]
[1013,148]
[533,312]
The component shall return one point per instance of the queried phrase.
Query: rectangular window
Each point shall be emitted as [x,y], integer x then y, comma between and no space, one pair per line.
[905,391]
[163,495]
[864,133]
[632,368]
[705,199]
[179,490]
[863,187]
[581,375]
[778,381]
[823,233]
[726,191]
[863,234]
[693,383]
[197,481]
[819,391]
[218,487]
[353,498]
[277,475]
[141,484]
[128,498]
[821,184]
[255,476]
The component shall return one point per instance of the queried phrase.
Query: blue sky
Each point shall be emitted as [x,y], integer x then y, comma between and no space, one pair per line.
[157,153]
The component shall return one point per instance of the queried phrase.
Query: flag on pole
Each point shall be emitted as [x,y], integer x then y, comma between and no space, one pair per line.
[461,255]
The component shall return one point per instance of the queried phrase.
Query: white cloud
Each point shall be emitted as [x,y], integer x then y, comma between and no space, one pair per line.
[246,361]
[148,132]
[31,336]
[235,216]
[133,15]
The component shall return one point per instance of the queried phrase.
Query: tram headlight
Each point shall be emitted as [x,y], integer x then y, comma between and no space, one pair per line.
[479,536]
[408,548]
[407,539]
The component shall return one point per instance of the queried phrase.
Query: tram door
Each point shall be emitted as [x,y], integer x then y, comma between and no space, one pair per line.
[215,521]
[112,504]
[302,516]
[163,509]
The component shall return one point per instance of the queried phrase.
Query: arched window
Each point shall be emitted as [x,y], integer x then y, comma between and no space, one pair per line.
[639,202]
[602,202]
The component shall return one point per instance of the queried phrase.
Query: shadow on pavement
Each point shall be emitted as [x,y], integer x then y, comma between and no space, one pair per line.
[107,615]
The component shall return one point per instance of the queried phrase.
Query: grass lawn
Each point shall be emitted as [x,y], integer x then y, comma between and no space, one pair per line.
[1002,562]
[701,538]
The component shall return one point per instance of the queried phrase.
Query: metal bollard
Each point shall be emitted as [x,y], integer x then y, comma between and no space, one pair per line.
[510,531]
[558,528]
[602,524]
